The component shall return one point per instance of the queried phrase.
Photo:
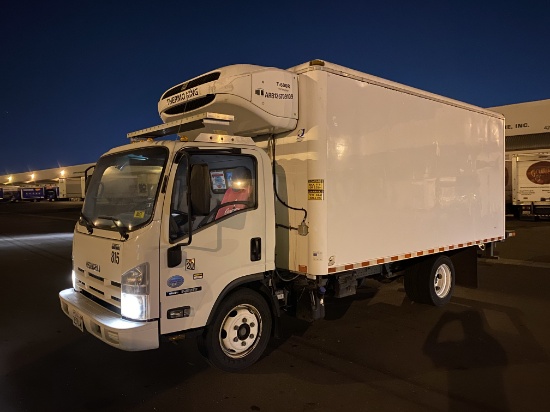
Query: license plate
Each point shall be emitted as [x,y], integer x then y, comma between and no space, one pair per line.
[78,320]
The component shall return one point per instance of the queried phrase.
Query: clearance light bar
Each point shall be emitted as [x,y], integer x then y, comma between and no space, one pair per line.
[182,125]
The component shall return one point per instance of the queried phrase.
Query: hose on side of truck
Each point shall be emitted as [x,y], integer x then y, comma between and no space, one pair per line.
[303,226]
[281,277]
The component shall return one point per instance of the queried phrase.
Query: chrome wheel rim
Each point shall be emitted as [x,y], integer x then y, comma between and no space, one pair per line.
[443,281]
[240,331]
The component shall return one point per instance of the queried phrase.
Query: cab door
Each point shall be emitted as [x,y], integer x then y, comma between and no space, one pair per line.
[228,231]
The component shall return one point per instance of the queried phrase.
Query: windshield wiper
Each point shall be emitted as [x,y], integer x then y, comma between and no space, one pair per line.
[87,222]
[123,230]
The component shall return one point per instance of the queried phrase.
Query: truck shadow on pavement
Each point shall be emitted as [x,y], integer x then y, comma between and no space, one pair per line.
[475,351]
[87,375]
[457,355]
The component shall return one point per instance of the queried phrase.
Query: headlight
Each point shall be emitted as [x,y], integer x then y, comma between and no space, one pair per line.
[74,280]
[134,306]
[134,302]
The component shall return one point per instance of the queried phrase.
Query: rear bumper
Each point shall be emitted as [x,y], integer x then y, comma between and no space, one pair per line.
[107,326]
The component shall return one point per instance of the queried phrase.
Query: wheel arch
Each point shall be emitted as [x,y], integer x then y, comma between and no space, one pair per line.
[255,282]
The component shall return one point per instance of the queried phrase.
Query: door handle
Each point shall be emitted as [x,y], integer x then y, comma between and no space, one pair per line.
[255,249]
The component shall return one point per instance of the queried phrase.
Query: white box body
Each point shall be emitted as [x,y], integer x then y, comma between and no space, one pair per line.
[386,172]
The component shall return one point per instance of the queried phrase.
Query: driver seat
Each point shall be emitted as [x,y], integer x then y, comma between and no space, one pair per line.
[240,191]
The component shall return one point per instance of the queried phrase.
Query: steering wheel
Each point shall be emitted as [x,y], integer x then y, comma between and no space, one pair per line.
[209,217]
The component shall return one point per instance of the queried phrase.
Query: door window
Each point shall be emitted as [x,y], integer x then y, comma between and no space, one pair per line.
[231,189]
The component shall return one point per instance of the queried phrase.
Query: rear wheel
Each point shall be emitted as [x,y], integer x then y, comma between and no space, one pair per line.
[239,332]
[441,281]
[432,281]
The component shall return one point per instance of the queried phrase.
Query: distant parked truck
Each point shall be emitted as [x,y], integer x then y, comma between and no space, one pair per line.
[35,194]
[531,185]
[527,154]
[67,188]
[10,193]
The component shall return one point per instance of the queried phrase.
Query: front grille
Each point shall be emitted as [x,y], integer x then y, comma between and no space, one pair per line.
[192,105]
[96,277]
[101,302]
[207,78]
[102,289]
[97,290]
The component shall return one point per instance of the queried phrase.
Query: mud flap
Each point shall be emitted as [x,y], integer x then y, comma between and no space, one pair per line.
[310,306]
[465,263]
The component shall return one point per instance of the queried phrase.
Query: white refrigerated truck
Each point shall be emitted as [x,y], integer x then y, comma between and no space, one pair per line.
[283,188]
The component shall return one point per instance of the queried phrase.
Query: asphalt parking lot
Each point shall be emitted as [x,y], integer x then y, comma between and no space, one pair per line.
[488,350]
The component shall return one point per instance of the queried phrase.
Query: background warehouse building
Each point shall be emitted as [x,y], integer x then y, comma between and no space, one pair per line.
[52,184]
[527,126]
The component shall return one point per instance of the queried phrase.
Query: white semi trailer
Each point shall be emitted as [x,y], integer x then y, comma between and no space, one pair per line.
[531,184]
[527,158]
[284,188]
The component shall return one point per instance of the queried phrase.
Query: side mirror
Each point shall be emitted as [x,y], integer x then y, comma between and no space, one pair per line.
[174,256]
[87,177]
[200,189]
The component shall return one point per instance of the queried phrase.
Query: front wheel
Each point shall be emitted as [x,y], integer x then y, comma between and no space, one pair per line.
[239,332]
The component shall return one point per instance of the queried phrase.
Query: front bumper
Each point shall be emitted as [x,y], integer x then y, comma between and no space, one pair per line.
[110,327]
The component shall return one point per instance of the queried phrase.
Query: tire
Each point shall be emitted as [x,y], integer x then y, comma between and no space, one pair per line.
[438,280]
[431,282]
[239,332]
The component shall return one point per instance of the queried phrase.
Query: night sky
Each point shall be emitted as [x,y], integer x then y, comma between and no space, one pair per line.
[76,76]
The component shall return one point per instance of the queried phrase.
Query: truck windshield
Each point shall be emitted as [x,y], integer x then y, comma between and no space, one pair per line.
[123,189]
